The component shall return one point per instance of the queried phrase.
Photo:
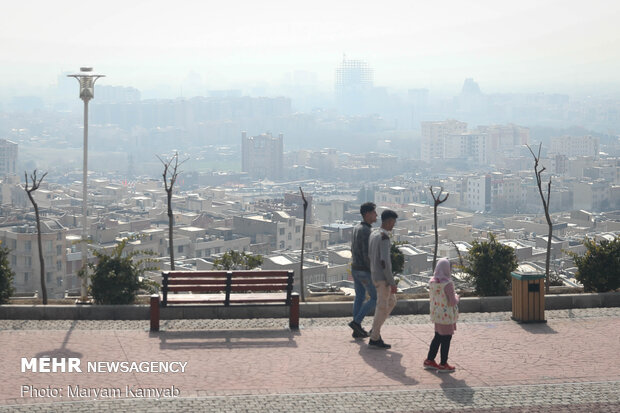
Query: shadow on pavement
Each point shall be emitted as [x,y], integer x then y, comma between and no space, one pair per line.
[387,362]
[62,351]
[537,328]
[177,340]
[456,390]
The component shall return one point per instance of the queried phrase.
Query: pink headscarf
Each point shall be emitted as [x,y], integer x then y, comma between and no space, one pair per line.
[442,271]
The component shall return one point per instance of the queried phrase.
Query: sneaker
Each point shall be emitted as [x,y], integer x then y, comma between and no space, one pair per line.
[358,330]
[430,365]
[379,344]
[445,368]
[358,335]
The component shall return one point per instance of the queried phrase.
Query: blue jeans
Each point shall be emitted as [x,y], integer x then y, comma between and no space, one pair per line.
[363,284]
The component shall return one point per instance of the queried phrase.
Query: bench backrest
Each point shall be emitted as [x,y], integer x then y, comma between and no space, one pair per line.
[227,281]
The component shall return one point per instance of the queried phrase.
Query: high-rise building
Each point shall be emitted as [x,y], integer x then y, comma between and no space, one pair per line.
[575,146]
[354,84]
[434,136]
[478,192]
[262,156]
[8,157]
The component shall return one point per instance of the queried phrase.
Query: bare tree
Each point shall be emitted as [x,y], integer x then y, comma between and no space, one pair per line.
[303,242]
[538,170]
[170,175]
[29,190]
[437,201]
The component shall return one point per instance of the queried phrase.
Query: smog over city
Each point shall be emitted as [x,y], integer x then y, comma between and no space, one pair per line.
[349,101]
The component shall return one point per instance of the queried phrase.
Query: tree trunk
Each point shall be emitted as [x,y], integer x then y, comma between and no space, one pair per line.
[303,242]
[436,239]
[549,235]
[40,245]
[170,229]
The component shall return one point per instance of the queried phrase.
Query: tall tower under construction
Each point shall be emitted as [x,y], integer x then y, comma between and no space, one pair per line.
[354,82]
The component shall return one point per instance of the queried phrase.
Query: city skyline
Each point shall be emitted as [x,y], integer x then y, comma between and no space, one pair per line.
[524,47]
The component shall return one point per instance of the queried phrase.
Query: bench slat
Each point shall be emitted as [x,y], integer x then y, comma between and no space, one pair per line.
[259,274]
[236,281]
[220,298]
[193,281]
[267,287]
[204,288]
[197,274]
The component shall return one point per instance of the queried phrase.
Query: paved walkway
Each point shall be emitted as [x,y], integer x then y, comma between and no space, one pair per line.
[569,364]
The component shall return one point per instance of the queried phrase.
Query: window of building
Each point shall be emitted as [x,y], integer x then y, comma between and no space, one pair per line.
[48,277]
[290,236]
[28,262]
[59,250]
[59,265]
[28,246]
[26,277]
[281,231]
[180,248]
[281,245]
[297,229]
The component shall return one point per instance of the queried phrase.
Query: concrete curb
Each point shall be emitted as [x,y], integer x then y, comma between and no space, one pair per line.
[307,310]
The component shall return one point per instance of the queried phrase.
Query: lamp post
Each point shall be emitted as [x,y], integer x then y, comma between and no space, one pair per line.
[87,80]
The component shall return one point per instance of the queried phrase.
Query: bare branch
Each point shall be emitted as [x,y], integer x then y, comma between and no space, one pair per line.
[36,182]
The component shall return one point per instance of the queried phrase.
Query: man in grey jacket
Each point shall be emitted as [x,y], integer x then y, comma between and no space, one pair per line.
[379,245]
[360,269]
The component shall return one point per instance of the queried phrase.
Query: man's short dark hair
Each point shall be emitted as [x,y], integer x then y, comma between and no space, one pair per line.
[367,207]
[387,214]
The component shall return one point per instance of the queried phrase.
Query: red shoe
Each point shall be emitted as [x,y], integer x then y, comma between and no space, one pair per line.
[430,365]
[445,368]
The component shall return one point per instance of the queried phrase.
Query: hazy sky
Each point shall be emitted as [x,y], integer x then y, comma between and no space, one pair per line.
[503,45]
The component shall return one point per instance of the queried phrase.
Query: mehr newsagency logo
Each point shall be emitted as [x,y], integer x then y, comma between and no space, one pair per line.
[75,365]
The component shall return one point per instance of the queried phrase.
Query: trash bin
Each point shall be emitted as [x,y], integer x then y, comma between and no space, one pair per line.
[528,295]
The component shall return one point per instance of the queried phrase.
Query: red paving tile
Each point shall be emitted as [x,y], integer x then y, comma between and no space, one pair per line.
[320,359]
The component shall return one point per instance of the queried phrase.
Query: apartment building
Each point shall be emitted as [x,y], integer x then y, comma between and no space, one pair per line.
[24,257]
[278,229]
[262,156]
[8,157]
[434,134]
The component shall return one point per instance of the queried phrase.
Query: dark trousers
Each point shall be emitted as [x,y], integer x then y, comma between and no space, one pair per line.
[444,343]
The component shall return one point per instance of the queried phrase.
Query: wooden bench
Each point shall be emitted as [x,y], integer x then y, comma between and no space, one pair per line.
[226,289]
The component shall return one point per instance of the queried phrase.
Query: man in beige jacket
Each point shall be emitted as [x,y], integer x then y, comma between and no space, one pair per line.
[379,245]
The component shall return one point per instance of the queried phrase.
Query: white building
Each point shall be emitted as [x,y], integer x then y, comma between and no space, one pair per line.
[8,157]
[478,192]
[575,146]
[434,136]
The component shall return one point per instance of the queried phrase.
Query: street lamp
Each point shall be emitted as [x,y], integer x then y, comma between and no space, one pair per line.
[87,80]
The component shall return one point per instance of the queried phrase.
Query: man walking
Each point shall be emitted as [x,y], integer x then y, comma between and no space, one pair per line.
[381,272]
[360,269]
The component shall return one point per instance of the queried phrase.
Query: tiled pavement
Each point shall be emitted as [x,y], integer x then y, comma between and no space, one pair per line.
[569,364]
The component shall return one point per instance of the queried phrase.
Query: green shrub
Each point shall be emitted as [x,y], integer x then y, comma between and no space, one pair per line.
[489,268]
[6,276]
[599,268]
[235,260]
[397,258]
[116,279]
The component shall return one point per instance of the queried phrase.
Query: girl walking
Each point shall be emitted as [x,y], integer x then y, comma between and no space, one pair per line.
[444,313]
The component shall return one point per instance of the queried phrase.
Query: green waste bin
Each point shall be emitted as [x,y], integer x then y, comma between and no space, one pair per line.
[528,295]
